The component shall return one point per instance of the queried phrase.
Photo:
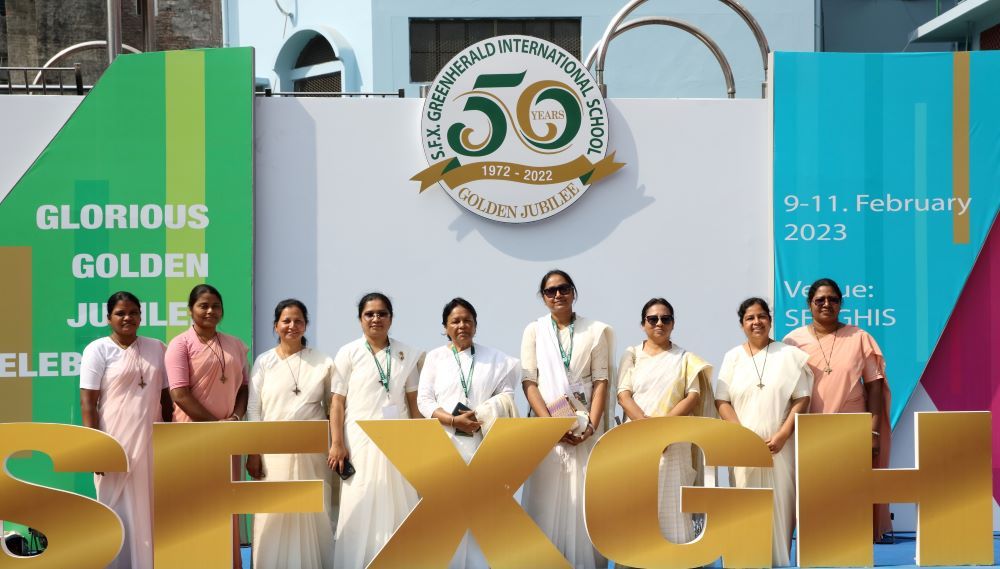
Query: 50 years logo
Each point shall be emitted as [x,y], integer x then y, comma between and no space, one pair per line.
[515,130]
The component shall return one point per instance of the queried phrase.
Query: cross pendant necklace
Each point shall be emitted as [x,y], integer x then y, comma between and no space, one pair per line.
[760,372]
[826,359]
[296,374]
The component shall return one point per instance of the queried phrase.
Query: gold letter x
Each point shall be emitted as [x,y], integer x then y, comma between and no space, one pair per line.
[478,496]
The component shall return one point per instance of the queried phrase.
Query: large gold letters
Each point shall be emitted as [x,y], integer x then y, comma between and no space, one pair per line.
[952,485]
[456,496]
[623,482]
[61,515]
[196,498]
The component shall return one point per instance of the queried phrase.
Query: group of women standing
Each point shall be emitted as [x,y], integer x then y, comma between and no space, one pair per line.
[565,369]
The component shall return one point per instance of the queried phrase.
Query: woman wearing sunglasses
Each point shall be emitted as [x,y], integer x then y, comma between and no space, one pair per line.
[850,374]
[763,384]
[374,377]
[567,363]
[658,378]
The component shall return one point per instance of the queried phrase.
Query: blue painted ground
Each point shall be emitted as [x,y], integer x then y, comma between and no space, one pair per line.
[899,554]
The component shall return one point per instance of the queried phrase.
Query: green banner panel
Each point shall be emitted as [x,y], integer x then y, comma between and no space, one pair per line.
[147,188]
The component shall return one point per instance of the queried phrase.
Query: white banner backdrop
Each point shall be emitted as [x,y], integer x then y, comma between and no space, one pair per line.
[688,218]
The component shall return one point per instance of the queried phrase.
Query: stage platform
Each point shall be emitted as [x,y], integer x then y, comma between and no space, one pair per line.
[900,554]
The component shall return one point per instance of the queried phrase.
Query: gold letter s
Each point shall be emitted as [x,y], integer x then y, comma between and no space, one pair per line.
[61,515]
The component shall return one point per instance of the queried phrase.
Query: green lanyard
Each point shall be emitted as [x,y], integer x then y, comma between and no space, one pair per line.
[566,356]
[466,386]
[386,374]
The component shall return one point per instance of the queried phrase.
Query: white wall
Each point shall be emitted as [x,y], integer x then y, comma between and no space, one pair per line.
[687,218]
[29,123]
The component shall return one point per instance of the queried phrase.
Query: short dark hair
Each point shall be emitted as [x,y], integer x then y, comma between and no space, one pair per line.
[374,296]
[653,302]
[200,290]
[753,300]
[561,273]
[122,296]
[820,283]
[455,303]
[291,302]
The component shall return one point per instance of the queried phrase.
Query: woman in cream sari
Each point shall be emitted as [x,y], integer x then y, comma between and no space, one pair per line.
[660,379]
[564,356]
[763,384]
[470,374]
[292,383]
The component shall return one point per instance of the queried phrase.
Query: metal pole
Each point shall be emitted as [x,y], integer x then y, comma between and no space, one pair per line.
[727,71]
[114,30]
[148,25]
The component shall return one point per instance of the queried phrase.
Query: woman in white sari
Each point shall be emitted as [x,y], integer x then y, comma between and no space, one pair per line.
[456,380]
[122,392]
[763,384]
[290,383]
[565,356]
[658,378]
[374,377]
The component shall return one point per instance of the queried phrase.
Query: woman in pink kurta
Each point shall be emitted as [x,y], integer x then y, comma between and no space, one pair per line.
[849,375]
[207,373]
[121,389]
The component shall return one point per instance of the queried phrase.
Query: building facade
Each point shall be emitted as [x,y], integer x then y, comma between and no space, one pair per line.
[385,45]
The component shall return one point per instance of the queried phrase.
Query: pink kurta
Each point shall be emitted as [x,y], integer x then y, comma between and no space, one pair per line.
[193,364]
[127,410]
[855,358]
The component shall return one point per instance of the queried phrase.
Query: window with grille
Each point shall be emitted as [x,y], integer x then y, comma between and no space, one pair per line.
[435,41]
[990,38]
[317,51]
[329,83]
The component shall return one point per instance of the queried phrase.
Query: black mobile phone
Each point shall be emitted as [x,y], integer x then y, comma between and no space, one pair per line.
[347,471]
[459,409]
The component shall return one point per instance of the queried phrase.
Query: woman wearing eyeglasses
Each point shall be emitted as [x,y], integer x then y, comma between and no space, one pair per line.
[762,385]
[658,378]
[374,377]
[850,374]
[456,380]
[566,360]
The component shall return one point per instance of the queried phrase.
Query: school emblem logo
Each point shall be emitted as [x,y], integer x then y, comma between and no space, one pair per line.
[515,130]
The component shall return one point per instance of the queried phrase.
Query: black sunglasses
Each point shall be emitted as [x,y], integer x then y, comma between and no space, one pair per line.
[563,289]
[821,300]
[653,319]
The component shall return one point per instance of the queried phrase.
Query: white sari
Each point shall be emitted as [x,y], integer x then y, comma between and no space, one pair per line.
[553,495]
[658,383]
[302,540]
[377,498]
[494,377]
[763,410]
[130,381]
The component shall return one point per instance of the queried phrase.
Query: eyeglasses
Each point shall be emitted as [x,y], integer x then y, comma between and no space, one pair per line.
[372,315]
[563,289]
[654,319]
[821,300]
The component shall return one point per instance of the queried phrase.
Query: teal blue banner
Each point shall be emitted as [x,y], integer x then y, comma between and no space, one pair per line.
[887,180]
